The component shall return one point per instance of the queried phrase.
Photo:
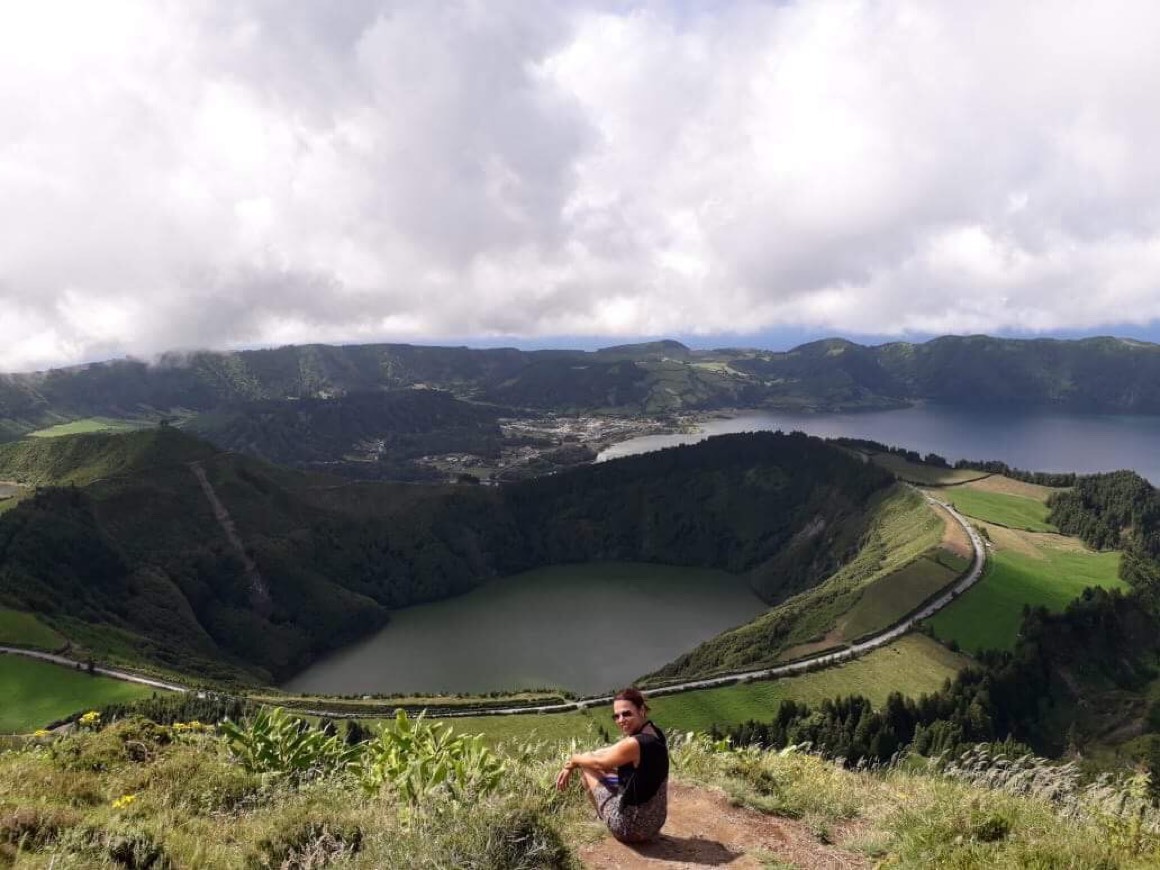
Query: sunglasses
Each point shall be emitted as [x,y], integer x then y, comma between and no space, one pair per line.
[623,715]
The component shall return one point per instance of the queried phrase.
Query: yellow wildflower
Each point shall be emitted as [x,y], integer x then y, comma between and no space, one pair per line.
[124,801]
[90,718]
[40,732]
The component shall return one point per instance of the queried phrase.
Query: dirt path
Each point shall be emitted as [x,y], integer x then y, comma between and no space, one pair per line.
[259,593]
[704,830]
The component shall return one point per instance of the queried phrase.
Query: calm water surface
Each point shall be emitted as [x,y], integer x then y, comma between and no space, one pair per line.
[588,628]
[1034,441]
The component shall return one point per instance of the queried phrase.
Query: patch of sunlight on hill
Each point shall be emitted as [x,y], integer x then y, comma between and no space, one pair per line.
[1023,569]
[912,665]
[1013,511]
[89,424]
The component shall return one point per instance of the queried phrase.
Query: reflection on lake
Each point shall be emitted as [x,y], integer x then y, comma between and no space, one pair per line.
[588,628]
[1035,441]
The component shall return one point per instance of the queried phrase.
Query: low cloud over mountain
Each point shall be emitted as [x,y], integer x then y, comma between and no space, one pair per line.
[234,174]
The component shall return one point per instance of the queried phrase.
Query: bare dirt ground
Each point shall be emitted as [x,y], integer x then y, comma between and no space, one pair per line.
[1031,543]
[955,538]
[834,637]
[704,830]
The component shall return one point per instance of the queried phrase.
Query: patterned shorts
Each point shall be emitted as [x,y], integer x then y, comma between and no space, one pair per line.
[632,824]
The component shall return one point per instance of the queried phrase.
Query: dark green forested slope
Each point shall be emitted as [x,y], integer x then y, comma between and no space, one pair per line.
[402,424]
[136,562]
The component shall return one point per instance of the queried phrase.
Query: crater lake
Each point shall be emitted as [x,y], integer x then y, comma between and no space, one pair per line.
[588,628]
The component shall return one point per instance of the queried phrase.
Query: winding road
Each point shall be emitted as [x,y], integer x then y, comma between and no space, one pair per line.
[104,672]
[784,670]
[801,665]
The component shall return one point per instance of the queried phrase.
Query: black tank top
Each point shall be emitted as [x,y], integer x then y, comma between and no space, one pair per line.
[638,784]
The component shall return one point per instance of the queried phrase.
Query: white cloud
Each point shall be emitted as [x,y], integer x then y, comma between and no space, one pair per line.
[229,174]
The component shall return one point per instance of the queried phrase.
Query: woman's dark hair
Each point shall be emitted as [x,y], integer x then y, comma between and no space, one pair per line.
[633,696]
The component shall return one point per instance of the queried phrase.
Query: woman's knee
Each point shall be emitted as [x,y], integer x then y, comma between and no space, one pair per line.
[589,779]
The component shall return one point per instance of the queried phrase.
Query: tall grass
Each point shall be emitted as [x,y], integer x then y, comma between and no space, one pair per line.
[140,794]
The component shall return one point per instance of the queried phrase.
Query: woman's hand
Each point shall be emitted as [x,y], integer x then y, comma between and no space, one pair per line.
[563,777]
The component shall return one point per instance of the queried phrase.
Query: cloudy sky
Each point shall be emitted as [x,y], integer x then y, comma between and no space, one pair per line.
[251,172]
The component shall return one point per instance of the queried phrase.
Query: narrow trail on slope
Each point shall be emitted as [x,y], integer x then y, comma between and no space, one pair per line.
[705,830]
[259,592]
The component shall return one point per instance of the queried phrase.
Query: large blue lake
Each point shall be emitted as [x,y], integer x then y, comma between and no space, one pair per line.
[1033,441]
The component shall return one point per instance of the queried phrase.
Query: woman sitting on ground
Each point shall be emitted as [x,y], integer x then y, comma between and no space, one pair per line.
[627,782]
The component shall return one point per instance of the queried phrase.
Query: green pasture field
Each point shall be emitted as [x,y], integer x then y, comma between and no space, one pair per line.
[24,629]
[988,615]
[552,727]
[912,665]
[36,693]
[1013,511]
[890,598]
[89,424]
[924,475]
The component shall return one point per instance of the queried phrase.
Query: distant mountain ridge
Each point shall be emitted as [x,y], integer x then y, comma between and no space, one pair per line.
[1100,375]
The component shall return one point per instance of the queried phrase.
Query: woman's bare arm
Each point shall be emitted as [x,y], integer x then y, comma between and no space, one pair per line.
[605,760]
[626,751]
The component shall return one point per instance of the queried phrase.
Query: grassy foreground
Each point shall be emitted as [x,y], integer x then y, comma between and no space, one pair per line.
[36,693]
[140,795]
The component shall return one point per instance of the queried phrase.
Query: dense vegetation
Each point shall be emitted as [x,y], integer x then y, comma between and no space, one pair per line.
[136,565]
[1076,680]
[1012,697]
[371,434]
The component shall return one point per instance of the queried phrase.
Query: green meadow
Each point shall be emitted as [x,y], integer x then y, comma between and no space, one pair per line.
[36,693]
[912,665]
[24,629]
[988,615]
[89,424]
[924,475]
[890,598]
[1013,511]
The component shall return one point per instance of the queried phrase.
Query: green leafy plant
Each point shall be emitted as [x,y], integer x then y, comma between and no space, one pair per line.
[420,760]
[275,742]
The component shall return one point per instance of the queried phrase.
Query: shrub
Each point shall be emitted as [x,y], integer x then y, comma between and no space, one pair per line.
[131,848]
[519,839]
[275,742]
[35,827]
[418,760]
[134,740]
[309,844]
